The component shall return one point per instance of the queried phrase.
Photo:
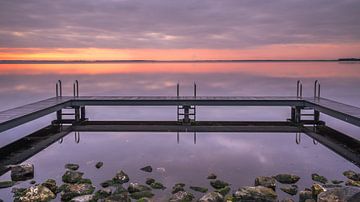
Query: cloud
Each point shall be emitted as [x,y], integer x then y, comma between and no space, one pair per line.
[229,24]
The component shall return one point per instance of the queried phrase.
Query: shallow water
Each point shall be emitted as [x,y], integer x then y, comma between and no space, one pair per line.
[235,157]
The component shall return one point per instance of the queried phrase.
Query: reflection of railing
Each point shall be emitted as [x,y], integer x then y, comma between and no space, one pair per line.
[178,137]
[76,137]
[298,139]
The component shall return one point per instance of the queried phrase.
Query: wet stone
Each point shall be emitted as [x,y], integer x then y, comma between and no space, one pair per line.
[50,184]
[73,190]
[319,178]
[71,176]
[337,181]
[291,189]
[121,177]
[223,191]
[264,181]
[258,193]
[211,176]
[304,195]
[352,183]
[22,172]
[135,187]
[99,164]
[107,183]
[349,194]
[147,169]
[72,166]
[287,200]
[181,196]
[84,198]
[212,197]
[199,189]
[32,182]
[352,175]
[287,178]
[218,184]
[141,194]
[178,187]
[119,189]
[149,181]
[157,185]
[316,189]
[38,193]
[6,184]
[103,193]
[18,191]
[145,200]
[124,197]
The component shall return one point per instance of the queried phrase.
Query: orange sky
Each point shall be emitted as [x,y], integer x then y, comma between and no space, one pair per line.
[289,51]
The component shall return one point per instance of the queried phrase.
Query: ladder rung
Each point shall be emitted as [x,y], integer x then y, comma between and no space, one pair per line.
[307,114]
[187,114]
[67,114]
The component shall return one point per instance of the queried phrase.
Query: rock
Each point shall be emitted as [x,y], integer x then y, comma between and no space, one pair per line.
[119,189]
[310,200]
[352,175]
[84,198]
[18,192]
[304,195]
[199,189]
[157,185]
[99,164]
[287,178]
[223,191]
[135,187]
[6,184]
[161,170]
[147,169]
[337,181]
[145,200]
[317,189]
[218,184]
[181,196]
[212,197]
[38,193]
[22,172]
[258,193]
[107,183]
[353,183]
[141,194]
[331,185]
[72,177]
[349,194]
[178,187]
[103,193]
[287,200]
[32,182]
[73,190]
[84,181]
[121,177]
[318,178]
[72,166]
[211,176]
[292,190]
[50,184]
[264,181]
[117,198]
[149,181]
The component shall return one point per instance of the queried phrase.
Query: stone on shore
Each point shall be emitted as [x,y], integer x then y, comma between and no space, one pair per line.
[22,172]
[258,193]
[199,189]
[352,183]
[319,178]
[147,169]
[304,195]
[135,187]
[72,177]
[50,184]
[37,193]
[6,184]
[317,189]
[141,194]
[124,197]
[99,164]
[349,194]
[157,185]
[73,190]
[211,176]
[337,181]
[72,166]
[149,181]
[121,177]
[290,189]
[265,181]
[84,198]
[352,175]
[212,197]
[287,178]
[181,196]
[223,191]
[178,187]
[218,184]
[287,200]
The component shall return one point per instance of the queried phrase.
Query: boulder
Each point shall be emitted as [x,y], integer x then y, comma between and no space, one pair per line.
[135,187]
[218,184]
[157,185]
[124,197]
[352,175]
[38,193]
[319,178]
[84,198]
[199,189]
[149,181]
[22,172]
[99,164]
[352,183]
[287,178]
[147,169]
[264,181]
[223,191]
[212,197]
[73,190]
[178,187]
[119,189]
[103,193]
[181,196]
[145,200]
[71,176]
[50,184]
[72,166]
[6,184]
[291,189]
[258,193]
[121,177]
[317,189]
[304,195]
[211,176]
[141,194]
[348,194]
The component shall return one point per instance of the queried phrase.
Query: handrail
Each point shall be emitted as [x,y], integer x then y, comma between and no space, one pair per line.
[76,88]
[58,89]
[299,89]
[317,89]
[298,138]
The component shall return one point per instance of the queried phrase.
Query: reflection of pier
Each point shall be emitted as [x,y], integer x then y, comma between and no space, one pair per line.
[71,116]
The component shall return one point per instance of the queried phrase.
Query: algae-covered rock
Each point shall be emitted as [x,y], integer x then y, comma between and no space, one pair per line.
[145,200]
[199,189]
[72,166]
[211,176]
[265,181]
[178,187]
[258,193]
[18,191]
[352,175]
[223,191]
[71,176]
[121,177]
[218,184]
[6,184]
[348,194]
[135,187]
[147,169]
[103,193]
[319,178]
[38,193]
[317,189]
[157,185]
[107,183]
[149,181]
[291,189]
[352,183]
[51,184]
[304,195]
[212,197]
[73,190]
[287,178]
[84,198]
[124,197]
[22,172]
[182,196]
[99,164]
[119,189]
[141,194]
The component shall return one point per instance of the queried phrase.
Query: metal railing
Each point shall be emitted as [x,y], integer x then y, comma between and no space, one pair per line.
[76,88]
[317,89]
[58,88]
[299,89]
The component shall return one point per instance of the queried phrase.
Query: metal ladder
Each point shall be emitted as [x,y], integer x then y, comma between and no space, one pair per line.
[186,114]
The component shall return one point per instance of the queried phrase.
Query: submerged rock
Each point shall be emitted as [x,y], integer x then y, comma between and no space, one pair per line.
[352,183]
[22,172]
[135,187]
[304,195]
[147,169]
[121,177]
[178,187]
[72,166]
[6,184]
[258,193]
[291,189]
[71,176]
[264,181]
[149,181]
[141,194]
[38,193]
[337,181]
[199,189]
[99,164]
[352,175]
[223,191]
[107,183]
[117,198]
[211,176]
[317,189]
[212,197]
[287,178]
[319,178]
[181,196]
[218,184]
[157,185]
[84,198]
[32,182]
[73,190]
[349,194]
[50,184]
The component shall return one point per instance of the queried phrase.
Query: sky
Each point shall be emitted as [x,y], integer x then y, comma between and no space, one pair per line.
[173,30]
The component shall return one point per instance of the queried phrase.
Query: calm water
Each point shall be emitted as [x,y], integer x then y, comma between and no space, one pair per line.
[236,157]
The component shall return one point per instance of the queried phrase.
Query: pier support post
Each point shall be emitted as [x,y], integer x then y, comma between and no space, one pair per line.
[59,116]
[77,114]
[82,113]
[186,114]
[296,114]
